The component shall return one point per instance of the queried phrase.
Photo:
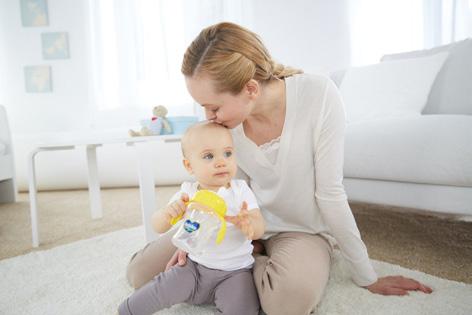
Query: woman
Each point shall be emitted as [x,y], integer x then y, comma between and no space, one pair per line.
[288,130]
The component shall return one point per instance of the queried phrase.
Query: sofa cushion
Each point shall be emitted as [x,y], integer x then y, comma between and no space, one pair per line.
[428,149]
[451,91]
[396,88]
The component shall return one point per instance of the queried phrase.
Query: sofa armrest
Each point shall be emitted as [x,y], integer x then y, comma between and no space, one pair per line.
[7,168]
[5,136]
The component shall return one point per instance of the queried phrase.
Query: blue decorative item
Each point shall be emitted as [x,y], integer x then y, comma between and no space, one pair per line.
[38,79]
[180,123]
[34,12]
[190,226]
[55,45]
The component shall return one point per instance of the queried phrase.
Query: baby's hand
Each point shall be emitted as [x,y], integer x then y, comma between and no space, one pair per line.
[177,208]
[242,221]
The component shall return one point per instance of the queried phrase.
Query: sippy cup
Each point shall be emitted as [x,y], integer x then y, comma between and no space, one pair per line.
[205,214]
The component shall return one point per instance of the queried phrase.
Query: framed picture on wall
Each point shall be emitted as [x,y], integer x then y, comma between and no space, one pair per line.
[38,79]
[34,12]
[55,45]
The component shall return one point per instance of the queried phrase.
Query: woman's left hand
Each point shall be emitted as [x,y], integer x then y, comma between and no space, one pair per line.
[397,285]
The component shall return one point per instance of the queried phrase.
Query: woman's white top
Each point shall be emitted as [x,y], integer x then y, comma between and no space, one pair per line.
[298,185]
[235,251]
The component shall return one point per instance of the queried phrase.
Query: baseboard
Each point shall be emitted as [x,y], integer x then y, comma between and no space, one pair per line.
[450,200]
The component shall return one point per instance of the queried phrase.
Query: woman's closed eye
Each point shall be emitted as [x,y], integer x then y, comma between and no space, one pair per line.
[213,110]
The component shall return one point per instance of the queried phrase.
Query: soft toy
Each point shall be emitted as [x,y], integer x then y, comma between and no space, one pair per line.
[157,125]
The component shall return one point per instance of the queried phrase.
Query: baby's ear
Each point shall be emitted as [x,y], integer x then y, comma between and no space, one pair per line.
[187,166]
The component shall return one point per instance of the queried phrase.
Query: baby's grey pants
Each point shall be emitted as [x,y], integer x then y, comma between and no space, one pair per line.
[233,292]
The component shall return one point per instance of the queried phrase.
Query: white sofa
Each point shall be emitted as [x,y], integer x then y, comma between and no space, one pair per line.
[7,170]
[422,162]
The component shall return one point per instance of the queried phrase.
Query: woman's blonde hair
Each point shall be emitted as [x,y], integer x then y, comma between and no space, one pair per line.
[231,55]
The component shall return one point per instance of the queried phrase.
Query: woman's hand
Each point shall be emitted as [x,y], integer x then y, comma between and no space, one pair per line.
[179,258]
[397,285]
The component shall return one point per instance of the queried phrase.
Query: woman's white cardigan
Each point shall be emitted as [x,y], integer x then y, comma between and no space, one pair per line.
[303,191]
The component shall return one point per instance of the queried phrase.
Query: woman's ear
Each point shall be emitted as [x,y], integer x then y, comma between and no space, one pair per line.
[252,88]
[187,166]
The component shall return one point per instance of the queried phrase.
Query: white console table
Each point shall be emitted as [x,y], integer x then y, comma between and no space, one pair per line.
[146,178]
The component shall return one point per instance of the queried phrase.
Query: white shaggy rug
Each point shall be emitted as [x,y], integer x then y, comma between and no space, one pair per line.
[88,277]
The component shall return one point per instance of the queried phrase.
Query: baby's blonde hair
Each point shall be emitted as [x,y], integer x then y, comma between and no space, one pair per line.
[186,138]
[231,55]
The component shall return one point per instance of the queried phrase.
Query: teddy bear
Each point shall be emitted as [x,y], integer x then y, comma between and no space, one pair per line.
[158,124]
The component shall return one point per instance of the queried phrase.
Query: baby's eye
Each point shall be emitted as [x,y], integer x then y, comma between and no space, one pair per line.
[208,156]
[228,154]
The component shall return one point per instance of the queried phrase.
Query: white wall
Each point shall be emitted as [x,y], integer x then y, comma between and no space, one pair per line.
[312,35]
[67,107]
[309,34]
[67,112]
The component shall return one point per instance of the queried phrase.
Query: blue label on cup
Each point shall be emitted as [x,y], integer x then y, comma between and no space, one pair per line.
[190,226]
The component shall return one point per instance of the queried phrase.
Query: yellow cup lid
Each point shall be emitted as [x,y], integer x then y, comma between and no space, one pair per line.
[211,200]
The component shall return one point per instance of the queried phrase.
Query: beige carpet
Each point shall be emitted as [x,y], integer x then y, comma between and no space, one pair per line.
[426,243]
[95,284]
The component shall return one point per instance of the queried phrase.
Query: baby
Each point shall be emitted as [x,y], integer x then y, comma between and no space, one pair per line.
[222,273]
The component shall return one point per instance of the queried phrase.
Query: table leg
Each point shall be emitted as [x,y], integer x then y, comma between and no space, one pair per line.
[33,198]
[146,190]
[93,182]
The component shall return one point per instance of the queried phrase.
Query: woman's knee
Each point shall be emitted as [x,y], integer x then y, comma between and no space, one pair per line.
[149,261]
[292,280]
[285,291]
[293,296]
[135,275]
